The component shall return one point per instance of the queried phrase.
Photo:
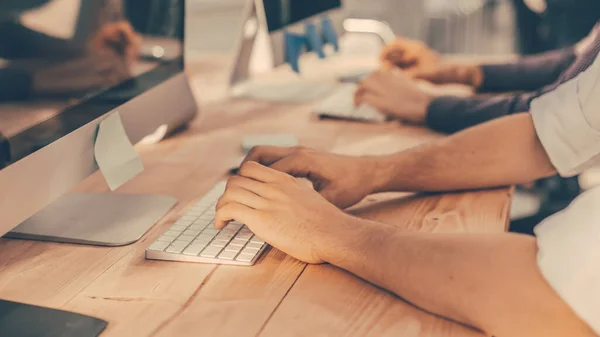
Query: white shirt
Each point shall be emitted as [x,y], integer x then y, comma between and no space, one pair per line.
[567,122]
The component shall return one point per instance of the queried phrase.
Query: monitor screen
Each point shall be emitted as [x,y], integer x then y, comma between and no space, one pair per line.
[282,13]
[65,63]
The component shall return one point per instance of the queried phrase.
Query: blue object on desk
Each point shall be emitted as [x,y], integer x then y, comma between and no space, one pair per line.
[329,34]
[314,40]
[294,45]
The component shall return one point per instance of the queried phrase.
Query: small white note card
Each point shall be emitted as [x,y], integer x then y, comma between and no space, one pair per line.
[117,159]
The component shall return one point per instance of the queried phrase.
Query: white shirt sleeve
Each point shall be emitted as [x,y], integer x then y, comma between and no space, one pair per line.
[569,256]
[567,122]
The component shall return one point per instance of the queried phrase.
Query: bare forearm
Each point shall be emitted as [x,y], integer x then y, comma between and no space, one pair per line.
[490,282]
[502,152]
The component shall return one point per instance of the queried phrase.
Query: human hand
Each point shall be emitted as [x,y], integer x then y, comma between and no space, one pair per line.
[395,95]
[283,211]
[80,76]
[342,180]
[423,63]
[120,38]
[409,55]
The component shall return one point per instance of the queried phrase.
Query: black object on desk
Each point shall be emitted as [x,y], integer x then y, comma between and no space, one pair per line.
[22,320]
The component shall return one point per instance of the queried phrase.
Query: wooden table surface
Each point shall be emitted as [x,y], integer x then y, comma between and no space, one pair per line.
[279,296]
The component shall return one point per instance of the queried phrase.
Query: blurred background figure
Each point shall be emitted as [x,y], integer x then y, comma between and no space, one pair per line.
[550,24]
[98,53]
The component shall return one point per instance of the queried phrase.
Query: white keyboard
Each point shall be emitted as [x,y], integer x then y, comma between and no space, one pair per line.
[341,105]
[193,237]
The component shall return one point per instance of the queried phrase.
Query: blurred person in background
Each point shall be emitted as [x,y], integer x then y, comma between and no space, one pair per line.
[501,89]
[36,60]
[544,25]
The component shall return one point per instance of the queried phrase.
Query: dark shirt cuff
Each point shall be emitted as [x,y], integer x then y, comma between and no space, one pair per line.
[449,114]
[528,74]
[15,84]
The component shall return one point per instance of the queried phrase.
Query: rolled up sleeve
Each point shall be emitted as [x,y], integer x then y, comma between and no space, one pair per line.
[567,121]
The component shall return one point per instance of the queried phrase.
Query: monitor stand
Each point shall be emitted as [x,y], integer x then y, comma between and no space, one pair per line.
[293,90]
[102,219]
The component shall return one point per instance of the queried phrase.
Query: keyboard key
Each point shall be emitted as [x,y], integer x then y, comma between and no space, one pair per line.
[159,246]
[227,255]
[174,250]
[188,238]
[258,240]
[188,218]
[203,221]
[194,250]
[210,231]
[234,225]
[253,245]
[202,241]
[191,232]
[244,236]
[179,227]
[233,248]
[171,232]
[206,218]
[250,251]
[166,238]
[197,227]
[238,241]
[206,236]
[180,244]
[211,252]
[225,236]
[245,257]
[183,222]
[219,243]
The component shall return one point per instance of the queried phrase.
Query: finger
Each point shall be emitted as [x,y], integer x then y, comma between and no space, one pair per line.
[386,66]
[373,83]
[376,102]
[256,171]
[256,187]
[294,165]
[234,212]
[241,196]
[360,100]
[267,155]
[360,90]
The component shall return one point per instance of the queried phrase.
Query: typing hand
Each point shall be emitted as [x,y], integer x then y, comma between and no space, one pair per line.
[395,95]
[281,210]
[412,56]
[120,38]
[80,76]
[342,180]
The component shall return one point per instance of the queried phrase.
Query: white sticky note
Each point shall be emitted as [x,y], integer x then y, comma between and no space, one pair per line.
[117,159]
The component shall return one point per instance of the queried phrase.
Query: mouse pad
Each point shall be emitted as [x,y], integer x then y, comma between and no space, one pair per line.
[22,320]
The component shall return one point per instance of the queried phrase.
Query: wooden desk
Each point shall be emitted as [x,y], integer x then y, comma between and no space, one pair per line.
[279,296]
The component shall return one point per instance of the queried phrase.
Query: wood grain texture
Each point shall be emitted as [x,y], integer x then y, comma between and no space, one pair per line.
[279,296]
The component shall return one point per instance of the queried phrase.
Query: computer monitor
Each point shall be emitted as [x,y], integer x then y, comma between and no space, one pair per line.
[292,16]
[264,28]
[77,62]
